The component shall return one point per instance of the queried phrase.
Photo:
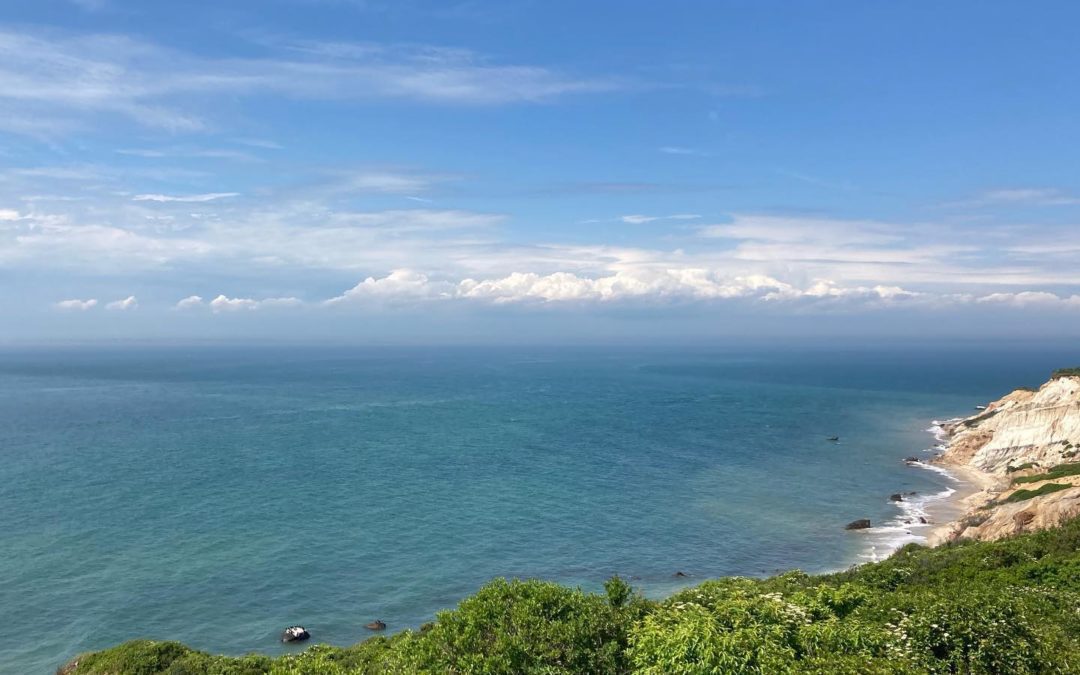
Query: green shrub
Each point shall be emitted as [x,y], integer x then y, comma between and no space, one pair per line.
[967,607]
[1059,471]
[1024,495]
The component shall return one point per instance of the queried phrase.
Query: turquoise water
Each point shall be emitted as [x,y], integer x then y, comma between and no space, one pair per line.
[217,495]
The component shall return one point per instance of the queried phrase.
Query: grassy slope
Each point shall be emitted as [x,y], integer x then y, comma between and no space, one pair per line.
[1003,607]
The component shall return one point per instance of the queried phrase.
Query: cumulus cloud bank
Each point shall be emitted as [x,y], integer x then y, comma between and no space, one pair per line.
[646,284]
[224,303]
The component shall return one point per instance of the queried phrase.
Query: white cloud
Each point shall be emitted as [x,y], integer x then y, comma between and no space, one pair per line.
[680,150]
[190,302]
[78,305]
[1031,299]
[223,303]
[389,182]
[51,81]
[9,214]
[637,219]
[1019,197]
[679,284]
[123,305]
[400,284]
[208,197]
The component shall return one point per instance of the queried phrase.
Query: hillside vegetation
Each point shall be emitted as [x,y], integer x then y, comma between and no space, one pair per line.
[1010,606]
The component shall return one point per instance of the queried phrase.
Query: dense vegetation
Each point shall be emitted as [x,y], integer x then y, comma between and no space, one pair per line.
[1059,471]
[1024,495]
[1004,607]
[1065,372]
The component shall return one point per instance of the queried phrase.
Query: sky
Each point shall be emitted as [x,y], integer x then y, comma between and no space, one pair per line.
[513,171]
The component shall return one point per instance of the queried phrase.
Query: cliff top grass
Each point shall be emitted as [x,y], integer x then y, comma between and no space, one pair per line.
[1024,495]
[970,607]
[1059,471]
[1065,372]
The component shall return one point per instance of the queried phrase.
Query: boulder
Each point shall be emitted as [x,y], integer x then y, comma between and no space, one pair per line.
[295,634]
[896,497]
[377,624]
[1023,519]
[860,524]
[681,574]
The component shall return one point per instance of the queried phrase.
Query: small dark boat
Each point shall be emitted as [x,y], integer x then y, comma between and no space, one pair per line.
[833,438]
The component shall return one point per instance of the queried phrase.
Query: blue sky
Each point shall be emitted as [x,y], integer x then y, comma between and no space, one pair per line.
[486,171]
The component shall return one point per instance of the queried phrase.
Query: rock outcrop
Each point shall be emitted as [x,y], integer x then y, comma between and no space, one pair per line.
[1011,446]
[295,634]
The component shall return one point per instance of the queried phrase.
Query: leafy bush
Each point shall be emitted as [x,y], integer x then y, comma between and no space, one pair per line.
[1065,372]
[971,607]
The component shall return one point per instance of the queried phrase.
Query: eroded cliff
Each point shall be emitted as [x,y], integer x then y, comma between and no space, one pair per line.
[1024,449]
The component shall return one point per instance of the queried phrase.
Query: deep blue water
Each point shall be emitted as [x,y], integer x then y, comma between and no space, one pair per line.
[217,495]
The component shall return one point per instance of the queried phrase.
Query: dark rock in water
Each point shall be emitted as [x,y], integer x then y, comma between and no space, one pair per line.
[681,574]
[913,460]
[295,634]
[833,438]
[910,494]
[860,524]
[377,624]
[896,497]
[922,519]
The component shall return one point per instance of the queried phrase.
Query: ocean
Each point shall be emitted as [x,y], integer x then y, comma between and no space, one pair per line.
[216,495]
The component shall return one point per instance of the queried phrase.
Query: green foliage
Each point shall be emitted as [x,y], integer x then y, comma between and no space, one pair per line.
[1024,495]
[1059,471]
[975,608]
[1021,467]
[1065,372]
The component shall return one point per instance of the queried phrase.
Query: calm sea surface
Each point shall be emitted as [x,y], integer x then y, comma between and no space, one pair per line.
[217,495]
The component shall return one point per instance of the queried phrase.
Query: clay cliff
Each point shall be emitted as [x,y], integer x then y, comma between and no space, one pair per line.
[1023,450]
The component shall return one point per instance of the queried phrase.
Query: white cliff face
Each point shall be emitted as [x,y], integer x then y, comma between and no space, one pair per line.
[1041,427]
[1023,434]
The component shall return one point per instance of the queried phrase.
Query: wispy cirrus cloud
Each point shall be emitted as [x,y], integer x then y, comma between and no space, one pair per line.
[52,82]
[1019,197]
[207,197]
[638,219]
[683,151]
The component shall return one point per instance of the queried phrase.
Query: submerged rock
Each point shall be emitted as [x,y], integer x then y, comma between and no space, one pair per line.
[860,524]
[295,634]
[377,624]
[681,574]
[896,497]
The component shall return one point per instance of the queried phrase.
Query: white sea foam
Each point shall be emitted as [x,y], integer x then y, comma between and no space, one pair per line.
[906,527]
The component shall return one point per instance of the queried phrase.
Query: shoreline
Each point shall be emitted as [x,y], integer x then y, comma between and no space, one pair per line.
[974,490]
[943,511]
